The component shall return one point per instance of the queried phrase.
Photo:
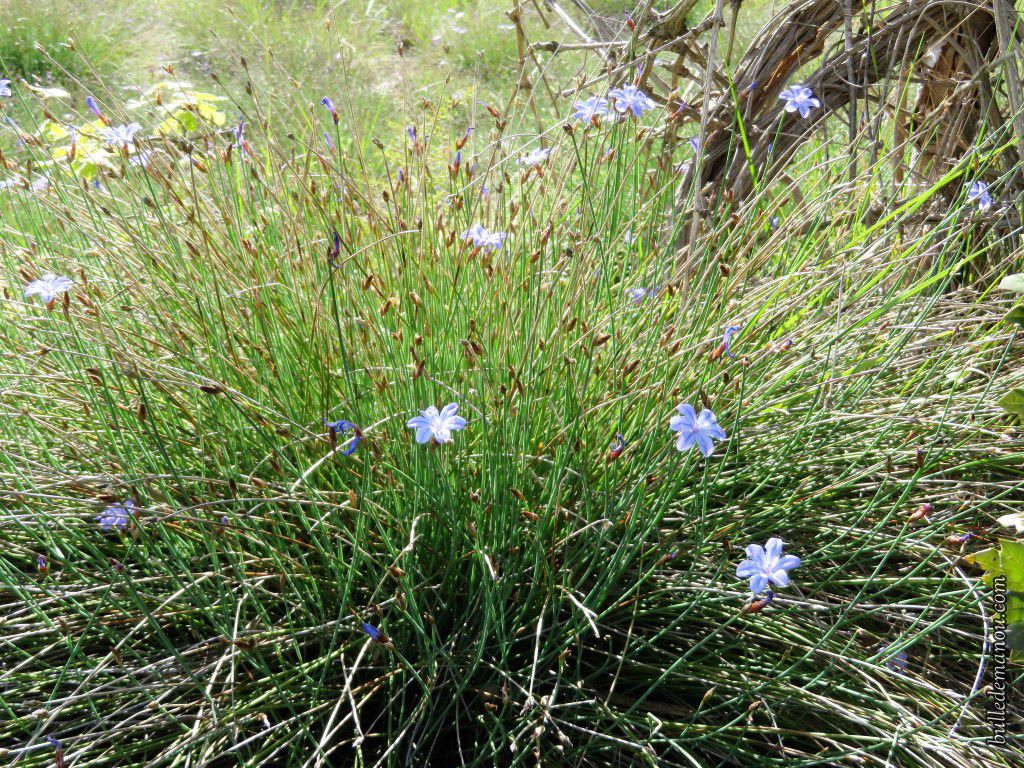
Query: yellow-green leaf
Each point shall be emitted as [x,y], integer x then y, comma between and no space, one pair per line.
[1013,402]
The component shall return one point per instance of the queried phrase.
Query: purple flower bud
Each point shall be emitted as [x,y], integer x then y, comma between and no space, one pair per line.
[330,143]
[90,102]
[731,331]
[342,426]
[326,101]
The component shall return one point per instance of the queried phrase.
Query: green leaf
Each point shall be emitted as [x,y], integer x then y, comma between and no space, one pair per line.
[1013,402]
[989,561]
[1013,283]
[1016,315]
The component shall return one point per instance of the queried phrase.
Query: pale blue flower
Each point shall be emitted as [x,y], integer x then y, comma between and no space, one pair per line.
[121,135]
[437,426]
[475,234]
[48,287]
[593,107]
[534,158]
[696,430]
[896,662]
[90,102]
[629,98]
[767,564]
[141,159]
[800,99]
[979,191]
[639,295]
[5,88]
[483,238]
[116,516]
[494,241]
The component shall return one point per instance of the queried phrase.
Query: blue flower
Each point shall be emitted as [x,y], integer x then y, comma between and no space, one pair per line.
[638,295]
[411,131]
[696,430]
[240,136]
[896,662]
[90,102]
[372,631]
[121,135]
[979,191]
[342,426]
[535,158]
[141,159]
[116,516]
[800,99]
[731,331]
[629,98]
[590,109]
[5,88]
[475,234]
[329,140]
[326,102]
[437,426]
[48,287]
[481,237]
[767,564]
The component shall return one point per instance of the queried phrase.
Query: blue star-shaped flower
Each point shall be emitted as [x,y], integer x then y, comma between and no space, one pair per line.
[979,191]
[629,98]
[693,430]
[767,564]
[593,107]
[800,99]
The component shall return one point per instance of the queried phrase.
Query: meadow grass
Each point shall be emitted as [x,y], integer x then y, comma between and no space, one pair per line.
[545,601]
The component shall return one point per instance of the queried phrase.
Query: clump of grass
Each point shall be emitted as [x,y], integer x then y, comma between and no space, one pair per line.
[65,41]
[543,601]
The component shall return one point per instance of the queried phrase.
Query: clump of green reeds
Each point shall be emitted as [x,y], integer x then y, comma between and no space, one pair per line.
[544,601]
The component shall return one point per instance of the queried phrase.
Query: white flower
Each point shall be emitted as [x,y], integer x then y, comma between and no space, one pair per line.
[49,286]
[437,426]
